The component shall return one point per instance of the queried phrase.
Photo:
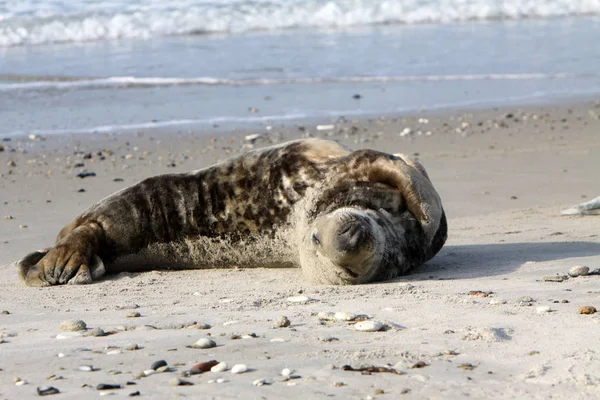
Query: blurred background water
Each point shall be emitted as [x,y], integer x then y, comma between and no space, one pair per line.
[89,66]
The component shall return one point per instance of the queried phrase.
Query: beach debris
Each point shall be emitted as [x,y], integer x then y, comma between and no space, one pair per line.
[107,386]
[133,314]
[203,343]
[158,364]
[369,369]
[479,293]
[543,309]
[578,270]
[325,127]
[220,367]
[281,322]
[19,382]
[72,325]
[586,310]
[260,382]
[300,299]
[47,390]
[85,174]
[369,326]
[466,366]
[239,369]
[555,278]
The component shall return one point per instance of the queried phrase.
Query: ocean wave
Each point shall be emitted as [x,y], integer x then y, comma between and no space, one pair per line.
[21,83]
[27,22]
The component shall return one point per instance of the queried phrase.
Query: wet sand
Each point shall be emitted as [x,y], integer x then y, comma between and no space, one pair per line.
[474,315]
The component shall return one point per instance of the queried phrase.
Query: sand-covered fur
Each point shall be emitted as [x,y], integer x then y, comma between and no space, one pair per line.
[345,217]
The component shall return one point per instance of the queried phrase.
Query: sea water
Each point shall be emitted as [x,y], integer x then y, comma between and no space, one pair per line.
[109,66]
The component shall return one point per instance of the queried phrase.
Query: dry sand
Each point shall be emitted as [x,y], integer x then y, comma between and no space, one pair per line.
[503,179]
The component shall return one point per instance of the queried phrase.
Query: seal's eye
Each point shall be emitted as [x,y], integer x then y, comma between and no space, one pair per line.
[315,238]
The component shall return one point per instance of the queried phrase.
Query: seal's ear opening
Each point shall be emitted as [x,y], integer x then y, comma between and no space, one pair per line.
[411,179]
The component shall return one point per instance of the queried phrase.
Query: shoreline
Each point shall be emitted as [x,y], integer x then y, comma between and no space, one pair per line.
[479,316]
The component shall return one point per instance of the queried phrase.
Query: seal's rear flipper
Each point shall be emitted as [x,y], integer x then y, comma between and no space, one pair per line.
[31,275]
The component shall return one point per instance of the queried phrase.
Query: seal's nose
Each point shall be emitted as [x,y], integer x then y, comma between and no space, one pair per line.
[351,236]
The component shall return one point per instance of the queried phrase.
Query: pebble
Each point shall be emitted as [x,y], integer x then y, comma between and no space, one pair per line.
[281,322]
[555,278]
[157,364]
[73,325]
[578,270]
[300,299]
[345,316]
[148,372]
[326,316]
[586,310]
[19,381]
[286,372]
[12,164]
[369,326]
[132,346]
[179,382]
[260,382]
[86,368]
[205,366]
[96,332]
[543,309]
[134,394]
[47,390]
[204,343]
[220,367]
[133,314]
[107,386]
[239,369]
[114,352]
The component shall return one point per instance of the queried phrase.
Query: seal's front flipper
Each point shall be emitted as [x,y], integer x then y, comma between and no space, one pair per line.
[32,274]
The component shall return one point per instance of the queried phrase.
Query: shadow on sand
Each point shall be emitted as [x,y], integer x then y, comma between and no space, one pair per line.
[480,260]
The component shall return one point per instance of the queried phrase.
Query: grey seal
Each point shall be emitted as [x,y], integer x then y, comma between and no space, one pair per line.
[344,217]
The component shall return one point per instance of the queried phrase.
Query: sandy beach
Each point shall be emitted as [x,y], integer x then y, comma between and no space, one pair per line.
[477,321]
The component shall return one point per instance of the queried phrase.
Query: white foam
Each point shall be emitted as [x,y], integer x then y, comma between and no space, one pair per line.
[43,21]
[21,83]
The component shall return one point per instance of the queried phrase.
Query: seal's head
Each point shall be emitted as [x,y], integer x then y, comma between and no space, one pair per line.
[380,218]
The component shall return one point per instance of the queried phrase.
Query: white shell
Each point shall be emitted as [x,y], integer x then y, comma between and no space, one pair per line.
[68,335]
[239,369]
[220,367]
[300,299]
[204,343]
[286,372]
[345,316]
[578,270]
[369,326]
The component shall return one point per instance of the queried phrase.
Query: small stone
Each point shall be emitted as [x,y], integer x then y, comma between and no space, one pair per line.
[164,368]
[239,369]
[4,312]
[204,343]
[326,316]
[286,372]
[586,310]
[281,322]
[47,390]
[338,384]
[220,367]
[555,278]
[345,316]
[543,309]
[134,394]
[179,382]
[418,365]
[300,299]
[72,325]
[578,270]
[379,391]
[202,326]
[157,364]
[86,368]
[133,314]
[369,326]
[148,372]
[85,174]
[466,366]
[205,366]
[113,352]
[132,346]
[107,386]
[260,382]
[96,332]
